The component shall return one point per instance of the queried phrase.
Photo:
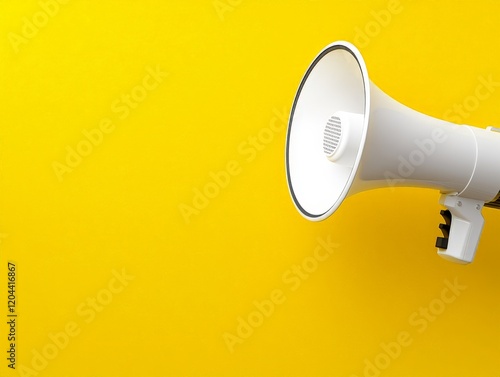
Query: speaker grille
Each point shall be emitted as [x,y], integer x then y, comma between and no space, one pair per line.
[332,135]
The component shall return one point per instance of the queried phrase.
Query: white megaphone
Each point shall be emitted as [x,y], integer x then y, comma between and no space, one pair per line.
[345,136]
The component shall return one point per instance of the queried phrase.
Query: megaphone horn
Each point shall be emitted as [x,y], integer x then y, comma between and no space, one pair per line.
[346,136]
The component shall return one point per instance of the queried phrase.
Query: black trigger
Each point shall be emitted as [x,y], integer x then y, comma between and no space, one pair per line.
[445,229]
[446,216]
[442,242]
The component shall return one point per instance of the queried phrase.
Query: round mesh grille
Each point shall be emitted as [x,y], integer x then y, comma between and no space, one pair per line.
[332,135]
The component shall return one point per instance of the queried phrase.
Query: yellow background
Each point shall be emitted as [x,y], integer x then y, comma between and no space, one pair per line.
[230,71]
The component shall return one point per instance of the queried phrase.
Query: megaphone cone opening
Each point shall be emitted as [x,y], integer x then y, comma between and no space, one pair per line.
[320,171]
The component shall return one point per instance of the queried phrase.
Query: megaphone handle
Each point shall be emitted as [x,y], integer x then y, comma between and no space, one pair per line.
[462,229]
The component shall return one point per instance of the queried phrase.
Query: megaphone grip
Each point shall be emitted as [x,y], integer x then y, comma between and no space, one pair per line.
[464,224]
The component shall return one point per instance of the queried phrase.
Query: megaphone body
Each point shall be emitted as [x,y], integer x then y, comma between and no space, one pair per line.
[346,136]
